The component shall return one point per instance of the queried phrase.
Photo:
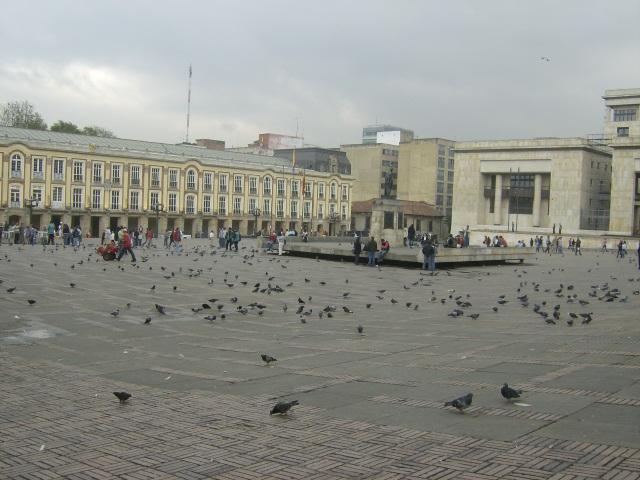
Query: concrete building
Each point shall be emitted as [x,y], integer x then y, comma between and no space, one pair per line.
[375,170]
[267,143]
[210,143]
[426,172]
[98,182]
[370,133]
[530,185]
[622,130]
[319,159]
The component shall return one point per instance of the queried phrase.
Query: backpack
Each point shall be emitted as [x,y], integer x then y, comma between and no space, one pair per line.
[428,250]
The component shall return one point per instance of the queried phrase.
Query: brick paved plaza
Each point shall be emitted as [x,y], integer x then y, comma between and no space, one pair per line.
[371,405]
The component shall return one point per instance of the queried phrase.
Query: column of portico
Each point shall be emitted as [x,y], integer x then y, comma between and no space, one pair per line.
[497,203]
[537,198]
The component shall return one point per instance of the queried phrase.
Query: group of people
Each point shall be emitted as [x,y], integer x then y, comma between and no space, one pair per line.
[376,255]
[228,238]
[29,235]
[137,236]
[497,241]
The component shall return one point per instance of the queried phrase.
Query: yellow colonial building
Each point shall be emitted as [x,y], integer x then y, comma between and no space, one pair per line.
[99,182]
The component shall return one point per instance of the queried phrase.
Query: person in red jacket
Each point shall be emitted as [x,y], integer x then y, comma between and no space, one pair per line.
[126,247]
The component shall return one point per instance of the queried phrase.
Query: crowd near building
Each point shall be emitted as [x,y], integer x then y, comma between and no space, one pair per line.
[588,186]
[100,183]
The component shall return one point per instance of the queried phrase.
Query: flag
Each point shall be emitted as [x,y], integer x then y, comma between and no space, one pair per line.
[303,180]
[190,71]
[293,159]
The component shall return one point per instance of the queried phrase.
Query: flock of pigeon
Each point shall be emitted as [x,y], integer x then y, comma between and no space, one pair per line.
[215,309]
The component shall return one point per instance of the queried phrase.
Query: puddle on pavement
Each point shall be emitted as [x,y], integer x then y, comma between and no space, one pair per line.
[30,334]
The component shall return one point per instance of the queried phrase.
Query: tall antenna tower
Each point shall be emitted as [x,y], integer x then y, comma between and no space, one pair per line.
[188,104]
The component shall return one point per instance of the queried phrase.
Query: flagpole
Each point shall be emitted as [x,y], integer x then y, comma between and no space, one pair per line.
[188,104]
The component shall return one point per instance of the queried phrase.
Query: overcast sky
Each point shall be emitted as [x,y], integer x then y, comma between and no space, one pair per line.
[456,69]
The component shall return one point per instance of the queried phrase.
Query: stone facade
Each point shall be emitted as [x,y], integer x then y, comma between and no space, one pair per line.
[98,182]
[375,170]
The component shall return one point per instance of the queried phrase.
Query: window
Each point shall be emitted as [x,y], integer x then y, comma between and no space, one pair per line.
[155,177]
[253,185]
[388,220]
[206,204]
[58,169]
[333,191]
[97,173]
[14,197]
[56,197]
[266,207]
[78,171]
[135,175]
[238,183]
[36,194]
[190,204]
[521,194]
[16,165]
[624,114]
[623,131]
[222,205]
[96,198]
[294,209]
[345,192]
[252,205]
[343,214]
[450,164]
[295,188]
[440,187]
[116,174]
[320,211]
[440,162]
[115,199]
[173,178]
[208,181]
[439,200]
[400,223]
[222,184]
[38,167]
[441,175]
[237,205]
[450,176]
[134,200]
[173,202]
[76,198]
[266,186]
[449,201]
[307,189]
[332,209]
[280,208]
[441,150]
[280,187]
[191,179]
[321,190]
[154,199]
[306,212]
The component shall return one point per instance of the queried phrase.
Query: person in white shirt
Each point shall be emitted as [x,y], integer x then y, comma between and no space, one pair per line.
[281,240]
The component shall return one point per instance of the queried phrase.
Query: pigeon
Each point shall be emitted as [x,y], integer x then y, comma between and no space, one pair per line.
[211,318]
[393,300]
[282,408]
[31,301]
[72,285]
[510,393]
[300,309]
[301,301]
[160,309]
[122,396]
[115,313]
[347,310]
[206,306]
[147,321]
[267,358]
[11,290]
[360,329]
[368,305]
[474,316]
[461,402]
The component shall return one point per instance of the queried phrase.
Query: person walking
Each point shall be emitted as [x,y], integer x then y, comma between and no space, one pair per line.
[149,237]
[177,239]
[228,239]
[125,246]
[357,250]
[411,235]
[620,253]
[281,240]
[236,237]
[429,252]
[371,248]
[221,237]
[51,233]
[577,246]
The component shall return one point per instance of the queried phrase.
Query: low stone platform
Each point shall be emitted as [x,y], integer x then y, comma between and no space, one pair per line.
[412,256]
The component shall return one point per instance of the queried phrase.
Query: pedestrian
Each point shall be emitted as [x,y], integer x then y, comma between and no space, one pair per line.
[411,235]
[620,252]
[228,239]
[149,237]
[371,248]
[624,249]
[429,252]
[168,238]
[51,233]
[66,235]
[177,239]
[221,237]
[212,237]
[577,246]
[281,242]
[560,229]
[125,246]
[76,236]
[236,237]
[384,249]
[357,249]
[136,238]
[554,229]
[466,237]
[604,246]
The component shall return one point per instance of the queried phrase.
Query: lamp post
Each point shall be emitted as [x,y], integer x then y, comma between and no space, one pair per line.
[256,213]
[158,207]
[30,203]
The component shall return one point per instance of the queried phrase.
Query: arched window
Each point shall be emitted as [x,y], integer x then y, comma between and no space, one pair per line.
[190,204]
[16,165]
[191,179]
[334,191]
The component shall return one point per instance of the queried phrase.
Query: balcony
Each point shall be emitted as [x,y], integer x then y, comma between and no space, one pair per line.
[223,189]
[280,214]
[78,178]
[16,173]
[58,177]
[344,198]
[134,182]
[222,211]
[237,190]
[207,187]
[266,192]
[307,194]
[15,205]
[191,187]
[173,185]
[253,191]
[294,194]
[294,214]
[57,205]
[37,175]
[155,183]
[116,181]
[306,215]
[280,193]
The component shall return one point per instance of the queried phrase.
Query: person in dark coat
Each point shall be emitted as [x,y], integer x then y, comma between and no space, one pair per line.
[357,250]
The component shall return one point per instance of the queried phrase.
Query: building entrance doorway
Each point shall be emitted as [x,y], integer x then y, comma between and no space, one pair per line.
[188,226]
[95,227]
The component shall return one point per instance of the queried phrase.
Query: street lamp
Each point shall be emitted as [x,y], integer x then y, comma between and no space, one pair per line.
[256,213]
[158,207]
[30,203]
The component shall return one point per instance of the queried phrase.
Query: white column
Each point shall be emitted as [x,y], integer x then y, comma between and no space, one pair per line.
[537,198]
[497,203]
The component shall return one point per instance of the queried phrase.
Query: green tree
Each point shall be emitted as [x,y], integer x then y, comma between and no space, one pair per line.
[22,115]
[65,127]
[96,131]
